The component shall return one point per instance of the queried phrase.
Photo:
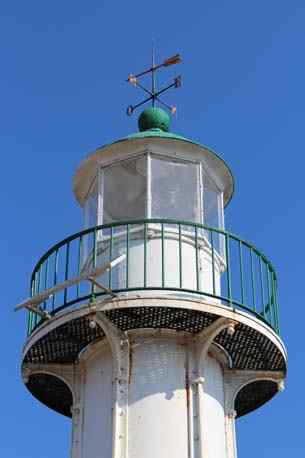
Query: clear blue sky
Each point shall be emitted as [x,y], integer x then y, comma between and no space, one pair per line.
[62,93]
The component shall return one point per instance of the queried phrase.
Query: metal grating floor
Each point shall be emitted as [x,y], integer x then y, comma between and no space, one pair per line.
[248,349]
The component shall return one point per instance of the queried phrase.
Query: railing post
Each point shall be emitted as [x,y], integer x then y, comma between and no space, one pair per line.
[269,303]
[229,283]
[30,314]
[37,292]
[197,259]
[162,256]
[213,262]
[241,265]
[180,256]
[145,255]
[276,306]
[67,270]
[262,286]
[253,280]
[94,259]
[127,255]
[80,248]
[110,258]
[46,281]
[55,277]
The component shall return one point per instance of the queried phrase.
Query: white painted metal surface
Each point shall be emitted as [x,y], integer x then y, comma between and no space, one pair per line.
[157,414]
[170,263]
[213,407]
[153,399]
[96,399]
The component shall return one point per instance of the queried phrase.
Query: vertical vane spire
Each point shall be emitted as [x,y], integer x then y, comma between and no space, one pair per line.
[154,93]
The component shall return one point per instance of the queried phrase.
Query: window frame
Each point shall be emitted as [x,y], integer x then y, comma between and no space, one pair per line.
[219,192]
[175,158]
[149,154]
[86,208]
[114,163]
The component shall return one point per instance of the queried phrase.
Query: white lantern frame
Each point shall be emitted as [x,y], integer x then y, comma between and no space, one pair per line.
[98,184]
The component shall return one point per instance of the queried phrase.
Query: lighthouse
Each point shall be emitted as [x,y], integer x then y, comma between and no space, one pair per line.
[154,328]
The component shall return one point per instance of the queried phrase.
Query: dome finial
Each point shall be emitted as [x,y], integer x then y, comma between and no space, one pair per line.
[154,92]
[154,118]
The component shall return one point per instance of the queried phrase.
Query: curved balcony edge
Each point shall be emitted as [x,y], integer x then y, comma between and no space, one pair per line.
[179,257]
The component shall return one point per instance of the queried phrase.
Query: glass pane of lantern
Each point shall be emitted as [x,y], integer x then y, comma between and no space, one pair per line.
[91,207]
[124,190]
[212,202]
[174,189]
[213,212]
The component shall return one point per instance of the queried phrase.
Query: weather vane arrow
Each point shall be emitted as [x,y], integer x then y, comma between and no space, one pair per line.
[154,93]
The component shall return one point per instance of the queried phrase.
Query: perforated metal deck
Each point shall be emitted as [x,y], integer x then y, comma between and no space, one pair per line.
[248,349]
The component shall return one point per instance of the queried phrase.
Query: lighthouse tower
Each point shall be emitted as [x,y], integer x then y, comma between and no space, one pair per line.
[154,328]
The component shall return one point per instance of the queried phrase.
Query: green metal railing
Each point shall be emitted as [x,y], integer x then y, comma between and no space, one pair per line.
[176,256]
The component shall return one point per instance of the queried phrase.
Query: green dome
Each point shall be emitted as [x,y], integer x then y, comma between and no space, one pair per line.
[154,118]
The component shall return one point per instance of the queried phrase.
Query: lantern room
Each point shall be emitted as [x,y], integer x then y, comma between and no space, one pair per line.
[153,179]
[153,196]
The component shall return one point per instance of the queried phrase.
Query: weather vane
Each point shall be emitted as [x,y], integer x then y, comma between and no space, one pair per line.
[154,93]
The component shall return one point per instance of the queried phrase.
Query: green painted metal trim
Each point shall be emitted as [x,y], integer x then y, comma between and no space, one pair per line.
[156,133]
[151,220]
[231,298]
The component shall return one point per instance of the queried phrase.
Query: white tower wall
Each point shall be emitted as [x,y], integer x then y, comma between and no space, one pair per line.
[96,397]
[213,407]
[157,399]
[163,416]
[164,257]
